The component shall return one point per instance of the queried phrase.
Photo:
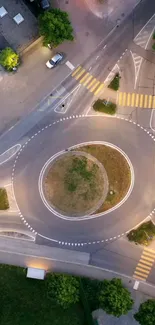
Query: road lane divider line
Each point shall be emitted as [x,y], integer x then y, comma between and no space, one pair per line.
[76,70]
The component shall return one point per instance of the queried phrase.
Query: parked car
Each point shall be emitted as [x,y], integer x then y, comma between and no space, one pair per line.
[55,60]
[44,4]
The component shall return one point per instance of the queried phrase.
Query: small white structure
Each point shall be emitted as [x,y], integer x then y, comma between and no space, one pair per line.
[18,19]
[3,12]
[35,273]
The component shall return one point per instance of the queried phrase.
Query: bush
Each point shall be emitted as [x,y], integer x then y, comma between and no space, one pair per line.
[104,107]
[114,84]
[9,59]
[63,289]
[4,204]
[55,27]
[143,234]
[153,47]
[92,290]
[114,298]
[146,313]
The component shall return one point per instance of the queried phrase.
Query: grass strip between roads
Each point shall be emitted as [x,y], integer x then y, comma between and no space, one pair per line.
[144,234]
[4,203]
[118,172]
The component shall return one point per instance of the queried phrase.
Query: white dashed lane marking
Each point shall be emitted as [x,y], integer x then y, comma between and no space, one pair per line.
[76,243]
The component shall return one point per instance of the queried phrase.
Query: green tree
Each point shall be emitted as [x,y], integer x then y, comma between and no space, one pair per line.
[146,313]
[64,289]
[55,27]
[9,59]
[114,298]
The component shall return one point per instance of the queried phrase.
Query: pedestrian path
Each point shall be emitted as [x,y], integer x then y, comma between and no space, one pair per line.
[135,100]
[145,264]
[87,80]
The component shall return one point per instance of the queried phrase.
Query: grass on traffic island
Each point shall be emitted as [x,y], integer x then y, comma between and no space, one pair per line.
[143,235]
[115,83]
[118,172]
[4,203]
[104,106]
[74,184]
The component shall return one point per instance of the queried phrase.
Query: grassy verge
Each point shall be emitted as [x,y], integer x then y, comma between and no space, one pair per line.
[104,107]
[153,47]
[74,184]
[143,235]
[4,203]
[25,301]
[117,169]
[115,83]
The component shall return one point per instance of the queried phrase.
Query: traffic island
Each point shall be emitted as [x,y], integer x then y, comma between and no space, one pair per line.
[76,184]
[105,106]
[4,203]
[143,235]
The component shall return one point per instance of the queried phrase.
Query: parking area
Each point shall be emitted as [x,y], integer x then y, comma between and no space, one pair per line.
[18,25]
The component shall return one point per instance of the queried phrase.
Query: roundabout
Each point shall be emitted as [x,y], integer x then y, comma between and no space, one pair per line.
[131,139]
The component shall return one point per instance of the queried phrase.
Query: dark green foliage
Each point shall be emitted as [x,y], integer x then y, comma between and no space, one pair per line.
[55,27]
[146,313]
[9,59]
[153,36]
[153,47]
[101,105]
[92,290]
[115,83]
[4,204]
[63,289]
[144,234]
[25,301]
[85,303]
[114,298]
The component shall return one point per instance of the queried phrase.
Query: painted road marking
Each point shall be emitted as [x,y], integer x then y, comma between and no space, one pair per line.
[145,264]
[76,70]
[86,75]
[141,100]
[136,100]
[94,86]
[92,82]
[88,80]
[80,74]
[70,65]
[99,89]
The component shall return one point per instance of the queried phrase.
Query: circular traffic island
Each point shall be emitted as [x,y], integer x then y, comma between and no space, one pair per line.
[75,184]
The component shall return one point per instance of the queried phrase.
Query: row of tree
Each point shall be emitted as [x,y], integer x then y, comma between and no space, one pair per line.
[110,295]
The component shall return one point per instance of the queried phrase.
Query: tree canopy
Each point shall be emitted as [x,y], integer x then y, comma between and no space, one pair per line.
[9,59]
[146,313]
[114,298]
[64,289]
[55,27]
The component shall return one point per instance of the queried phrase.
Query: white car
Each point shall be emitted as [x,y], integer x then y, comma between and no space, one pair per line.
[53,62]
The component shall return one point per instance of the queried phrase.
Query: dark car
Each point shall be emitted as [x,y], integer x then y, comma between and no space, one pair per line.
[44,4]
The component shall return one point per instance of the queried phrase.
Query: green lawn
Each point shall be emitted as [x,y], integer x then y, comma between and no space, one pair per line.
[25,302]
[4,204]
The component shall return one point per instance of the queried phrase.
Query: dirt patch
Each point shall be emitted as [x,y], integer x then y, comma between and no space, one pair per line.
[118,172]
[74,184]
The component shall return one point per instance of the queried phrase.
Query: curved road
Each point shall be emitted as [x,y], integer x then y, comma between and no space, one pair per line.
[132,139]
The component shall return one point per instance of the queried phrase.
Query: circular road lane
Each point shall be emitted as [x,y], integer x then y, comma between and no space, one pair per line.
[61,134]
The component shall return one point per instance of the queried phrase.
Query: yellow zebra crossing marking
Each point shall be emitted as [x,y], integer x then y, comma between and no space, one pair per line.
[144,265]
[136,100]
[87,80]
